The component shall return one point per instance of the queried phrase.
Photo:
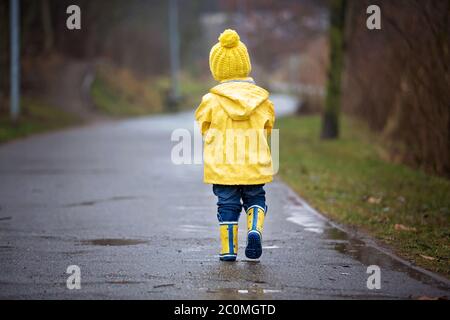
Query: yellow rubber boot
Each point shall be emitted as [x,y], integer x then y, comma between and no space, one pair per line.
[229,241]
[255,223]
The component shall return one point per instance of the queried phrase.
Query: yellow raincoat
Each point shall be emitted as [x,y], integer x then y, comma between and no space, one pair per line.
[235,118]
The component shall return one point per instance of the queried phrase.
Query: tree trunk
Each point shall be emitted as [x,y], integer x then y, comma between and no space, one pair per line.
[330,121]
[47,25]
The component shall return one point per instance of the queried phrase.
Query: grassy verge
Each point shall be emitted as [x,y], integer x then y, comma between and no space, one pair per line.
[35,117]
[191,89]
[348,181]
[118,92]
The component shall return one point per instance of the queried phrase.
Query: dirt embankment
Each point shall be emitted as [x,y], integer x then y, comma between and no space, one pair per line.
[63,83]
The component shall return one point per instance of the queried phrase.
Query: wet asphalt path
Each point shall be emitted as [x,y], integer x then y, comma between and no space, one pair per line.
[108,199]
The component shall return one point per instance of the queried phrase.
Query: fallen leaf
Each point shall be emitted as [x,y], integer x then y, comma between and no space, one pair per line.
[401,199]
[374,200]
[401,227]
[427,257]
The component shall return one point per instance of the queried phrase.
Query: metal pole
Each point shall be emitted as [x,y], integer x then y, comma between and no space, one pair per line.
[15,59]
[174,50]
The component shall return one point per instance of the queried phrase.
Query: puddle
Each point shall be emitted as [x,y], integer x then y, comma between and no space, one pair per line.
[270,247]
[308,223]
[370,255]
[165,285]
[302,214]
[112,242]
[263,291]
[341,241]
[235,294]
[82,204]
[94,202]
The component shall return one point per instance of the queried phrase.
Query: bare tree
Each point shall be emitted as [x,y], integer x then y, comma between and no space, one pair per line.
[330,121]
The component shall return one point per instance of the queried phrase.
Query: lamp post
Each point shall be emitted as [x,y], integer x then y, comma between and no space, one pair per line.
[174,94]
[15,59]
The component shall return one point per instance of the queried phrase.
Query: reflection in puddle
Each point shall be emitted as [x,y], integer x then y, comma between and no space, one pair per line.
[233,294]
[271,247]
[308,223]
[258,290]
[113,242]
[242,280]
[302,214]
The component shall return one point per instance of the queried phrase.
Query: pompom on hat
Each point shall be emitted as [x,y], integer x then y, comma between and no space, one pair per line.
[229,58]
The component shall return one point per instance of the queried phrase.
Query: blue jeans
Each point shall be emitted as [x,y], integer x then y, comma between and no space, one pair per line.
[229,204]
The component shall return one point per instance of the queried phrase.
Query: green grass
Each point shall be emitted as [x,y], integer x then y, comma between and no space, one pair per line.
[191,89]
[114,102]
[120,93]
[348,181]
[35,117]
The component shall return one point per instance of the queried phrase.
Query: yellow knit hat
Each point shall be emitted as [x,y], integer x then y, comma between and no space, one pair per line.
[229,58]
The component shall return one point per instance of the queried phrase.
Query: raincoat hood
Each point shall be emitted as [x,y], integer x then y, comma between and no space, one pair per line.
[235,119]
[240,98]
